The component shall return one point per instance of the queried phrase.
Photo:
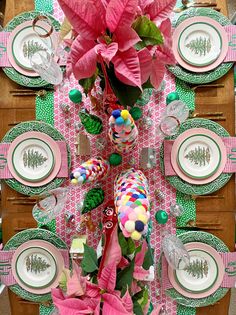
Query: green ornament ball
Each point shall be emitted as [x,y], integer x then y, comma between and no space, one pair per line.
[115,159]
[136,113]
[173,96]
[161,217]
[75,96]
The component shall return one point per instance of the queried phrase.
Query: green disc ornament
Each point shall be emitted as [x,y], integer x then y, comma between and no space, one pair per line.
[173,96]
[75,96]
[161,217]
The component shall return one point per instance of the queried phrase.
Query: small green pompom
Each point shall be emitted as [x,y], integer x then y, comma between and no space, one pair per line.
[115,159]
[136,113]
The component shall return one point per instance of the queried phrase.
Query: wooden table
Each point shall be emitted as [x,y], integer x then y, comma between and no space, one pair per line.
[219,210]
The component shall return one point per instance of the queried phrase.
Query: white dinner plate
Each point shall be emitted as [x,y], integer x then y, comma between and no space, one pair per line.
[199,156]
[200,44]
[33,159]
[26,42]
[36,267]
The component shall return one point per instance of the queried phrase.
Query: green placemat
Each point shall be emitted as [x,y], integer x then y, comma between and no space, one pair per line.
[44,107]
[45,310]
[44,5]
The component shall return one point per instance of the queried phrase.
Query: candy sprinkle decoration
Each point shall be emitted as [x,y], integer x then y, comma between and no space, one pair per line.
[123,132]
[132,202]
[92,170]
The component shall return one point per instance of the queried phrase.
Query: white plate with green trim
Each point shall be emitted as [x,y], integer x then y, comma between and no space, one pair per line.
[203,276]
[26,42]
[199,156]
[32,160]
[36,267]
[200,44]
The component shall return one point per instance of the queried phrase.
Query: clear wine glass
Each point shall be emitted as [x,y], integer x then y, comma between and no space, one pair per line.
[178,109]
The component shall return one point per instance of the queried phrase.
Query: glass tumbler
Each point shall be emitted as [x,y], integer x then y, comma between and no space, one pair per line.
[168,126]
[178,109]
[175,252]
[44,64]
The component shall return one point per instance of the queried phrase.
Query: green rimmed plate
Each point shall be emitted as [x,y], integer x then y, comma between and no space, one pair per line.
[206,77]
[13,74]
[30,235]
[50,131]
[216,243]
[181,184]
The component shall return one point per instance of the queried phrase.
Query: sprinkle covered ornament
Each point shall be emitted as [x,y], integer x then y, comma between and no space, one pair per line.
[132,203]
[92,170]
[122,132]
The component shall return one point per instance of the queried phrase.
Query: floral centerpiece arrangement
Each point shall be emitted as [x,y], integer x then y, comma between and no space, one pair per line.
[110,282]
[127,43]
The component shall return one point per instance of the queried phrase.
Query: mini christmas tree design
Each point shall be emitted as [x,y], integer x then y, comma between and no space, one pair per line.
[33,158]
[36,264]
[197,268]
[91,123]
[93,199]
[200,46]
[30,47]
[199,156]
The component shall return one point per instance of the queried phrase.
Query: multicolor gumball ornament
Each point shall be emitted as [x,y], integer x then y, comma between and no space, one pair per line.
[122,132]
[132,202]
[92,170]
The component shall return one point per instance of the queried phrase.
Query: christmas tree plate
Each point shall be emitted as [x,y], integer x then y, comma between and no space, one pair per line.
[184,183]
[187,24]
[204,274]
[44,244]
[214,294]
[209,73]
[34,267]
[16,73]
[34,158]
[198,156]
[49,183]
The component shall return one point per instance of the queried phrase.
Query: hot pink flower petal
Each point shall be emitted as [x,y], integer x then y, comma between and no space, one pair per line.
[123,263]
[69,306]
[160,9]
[113,252]
[127,68]
[76,284]
[135,288]
[127,301]
[157,74]
[128,40]
[83,58]
[83,15]
[112,305]
[140,273]
[92,290]
[165,55]
[120,13]
[92,302]
[143,4]
[166,30]
[107,51]
[139,258]
[145,60]
[107,281]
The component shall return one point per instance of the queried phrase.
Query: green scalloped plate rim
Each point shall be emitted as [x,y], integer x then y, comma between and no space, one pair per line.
[13,74]
[219,245]
[19,239]
[182,185]
[221,70]
[50,131]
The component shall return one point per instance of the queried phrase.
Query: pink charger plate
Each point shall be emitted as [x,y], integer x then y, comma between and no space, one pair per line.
[187,134]
[218,259]
[185,24]
[54,147]
[51,249]
[28,73]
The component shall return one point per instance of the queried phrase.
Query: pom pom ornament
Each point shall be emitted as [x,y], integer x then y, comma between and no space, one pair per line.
[132,203]
[123,132]
[75,96]
[90,171]
[115,159]
[136,113]
[91,123]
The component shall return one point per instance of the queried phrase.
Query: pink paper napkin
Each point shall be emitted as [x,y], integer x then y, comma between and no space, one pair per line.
[231,54]
[5,172]
[230,167]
